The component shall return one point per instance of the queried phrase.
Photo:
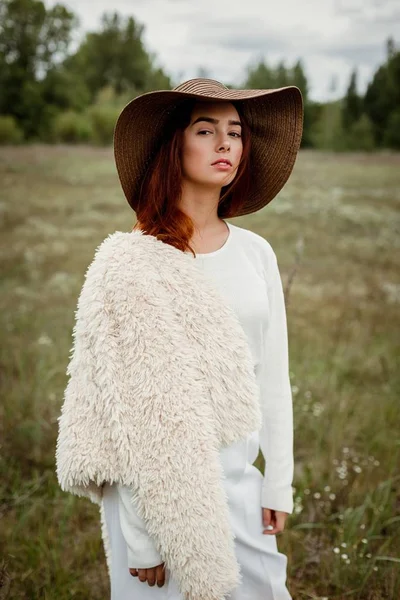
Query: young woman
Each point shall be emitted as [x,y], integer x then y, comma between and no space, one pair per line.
[179,372]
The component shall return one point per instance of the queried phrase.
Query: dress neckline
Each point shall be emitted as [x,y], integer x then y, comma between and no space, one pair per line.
[222,248]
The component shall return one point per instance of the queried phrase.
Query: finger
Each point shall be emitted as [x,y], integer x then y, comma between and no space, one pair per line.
[151,576]
[133,572]
[160,575]
[266,516]
[142,574]
[273,531]
[275,527]
[271,522]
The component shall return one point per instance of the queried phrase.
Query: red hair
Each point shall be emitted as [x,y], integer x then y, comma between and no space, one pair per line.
[157,210]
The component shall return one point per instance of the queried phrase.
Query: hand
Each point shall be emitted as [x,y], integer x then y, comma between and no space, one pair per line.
[153,575]
[276,518]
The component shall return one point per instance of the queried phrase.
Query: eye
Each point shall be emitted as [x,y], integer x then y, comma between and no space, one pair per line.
[234,133]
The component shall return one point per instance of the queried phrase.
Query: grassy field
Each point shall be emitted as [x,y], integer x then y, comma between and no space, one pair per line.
[335,229]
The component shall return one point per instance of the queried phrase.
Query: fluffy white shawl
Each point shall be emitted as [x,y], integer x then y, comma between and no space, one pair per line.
[160,378]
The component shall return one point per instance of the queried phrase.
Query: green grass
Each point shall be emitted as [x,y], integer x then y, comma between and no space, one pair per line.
[335,229]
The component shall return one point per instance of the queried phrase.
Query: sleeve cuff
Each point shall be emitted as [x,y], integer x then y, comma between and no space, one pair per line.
[145,558]
[278,498]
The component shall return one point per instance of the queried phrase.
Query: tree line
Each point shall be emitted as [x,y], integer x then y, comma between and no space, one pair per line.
[51,93]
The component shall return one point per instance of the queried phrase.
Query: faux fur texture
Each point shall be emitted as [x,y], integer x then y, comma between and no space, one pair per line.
[160,378]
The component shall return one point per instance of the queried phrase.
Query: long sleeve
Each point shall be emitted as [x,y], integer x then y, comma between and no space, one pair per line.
[142,552]
[276,438]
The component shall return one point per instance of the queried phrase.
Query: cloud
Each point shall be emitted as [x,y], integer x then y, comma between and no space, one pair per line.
[357,54]
[234,35]
[224,37]
[366,9]
[252,35]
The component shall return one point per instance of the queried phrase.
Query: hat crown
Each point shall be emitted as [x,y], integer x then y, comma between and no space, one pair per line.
[200,85]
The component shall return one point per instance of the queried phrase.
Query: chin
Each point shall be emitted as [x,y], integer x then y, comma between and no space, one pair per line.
[226,182]
[224,177]
[218,179]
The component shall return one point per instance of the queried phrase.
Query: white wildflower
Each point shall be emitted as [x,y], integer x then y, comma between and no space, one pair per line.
[44,340]
[317,409]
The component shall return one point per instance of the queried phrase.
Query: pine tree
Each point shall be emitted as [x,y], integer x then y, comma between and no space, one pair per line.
[298,78]
[382,97]
[352,104]
[259,76]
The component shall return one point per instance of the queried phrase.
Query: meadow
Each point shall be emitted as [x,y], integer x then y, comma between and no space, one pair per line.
[335,229]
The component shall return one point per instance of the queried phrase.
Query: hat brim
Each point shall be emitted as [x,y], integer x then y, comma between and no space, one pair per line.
[275,118]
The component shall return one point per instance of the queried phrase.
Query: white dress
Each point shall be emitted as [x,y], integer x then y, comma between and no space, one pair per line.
[245,270]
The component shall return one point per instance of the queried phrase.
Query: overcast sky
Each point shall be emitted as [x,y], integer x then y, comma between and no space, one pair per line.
[225,36]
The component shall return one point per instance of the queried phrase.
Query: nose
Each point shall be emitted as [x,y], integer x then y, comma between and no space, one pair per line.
[225,145]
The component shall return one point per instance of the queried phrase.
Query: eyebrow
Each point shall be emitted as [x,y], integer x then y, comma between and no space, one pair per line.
[215,121]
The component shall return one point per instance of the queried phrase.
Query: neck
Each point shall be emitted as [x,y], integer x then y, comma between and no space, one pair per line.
[200,203]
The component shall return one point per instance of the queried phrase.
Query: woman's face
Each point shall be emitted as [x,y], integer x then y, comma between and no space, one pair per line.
[214,133]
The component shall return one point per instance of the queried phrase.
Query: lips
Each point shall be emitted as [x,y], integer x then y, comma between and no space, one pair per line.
[223,161]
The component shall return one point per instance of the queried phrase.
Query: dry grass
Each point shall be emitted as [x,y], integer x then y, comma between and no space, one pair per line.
[335,229]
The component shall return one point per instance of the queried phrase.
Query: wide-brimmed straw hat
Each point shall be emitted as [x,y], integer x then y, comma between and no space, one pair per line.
[275,117]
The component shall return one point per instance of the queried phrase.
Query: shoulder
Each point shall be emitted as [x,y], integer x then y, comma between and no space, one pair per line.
[129,259]
[112,246]
[256,245]
[113,260]
[253,239]
[119,266]
[117,249]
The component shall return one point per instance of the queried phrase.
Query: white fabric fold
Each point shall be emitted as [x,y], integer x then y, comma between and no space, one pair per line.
[141,549]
